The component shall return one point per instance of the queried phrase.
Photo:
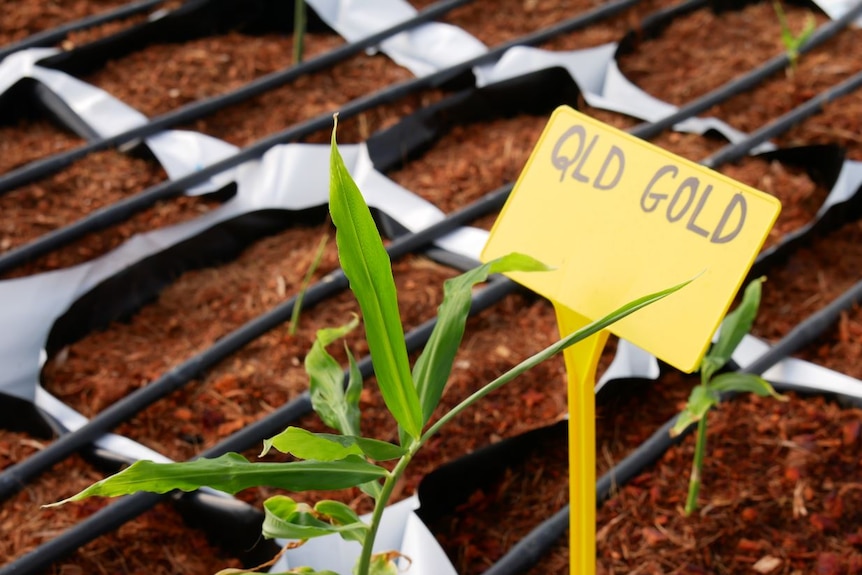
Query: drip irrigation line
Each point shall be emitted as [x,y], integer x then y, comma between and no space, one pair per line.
[54,35]
[527,552]
[125,208]
[13,478]
[127,508]
[43,167]
[743,83]
[810,107]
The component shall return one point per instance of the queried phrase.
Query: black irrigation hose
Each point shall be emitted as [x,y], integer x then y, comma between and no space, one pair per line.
[743,83]
[43,167]
[14,477]
[127,508]
[54,35]
[125,208]
[783,123]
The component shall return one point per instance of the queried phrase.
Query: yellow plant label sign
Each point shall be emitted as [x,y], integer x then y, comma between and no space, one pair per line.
[620,218]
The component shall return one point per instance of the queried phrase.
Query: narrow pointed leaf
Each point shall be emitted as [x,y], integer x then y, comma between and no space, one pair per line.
[367,266]
[329,447]
[326,382]
[232,473]
[745,383]
[537,358]
[733,329]
[434,366]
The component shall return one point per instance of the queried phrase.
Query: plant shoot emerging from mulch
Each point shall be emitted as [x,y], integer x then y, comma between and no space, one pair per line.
[708,394]
[792,41]
[335,461]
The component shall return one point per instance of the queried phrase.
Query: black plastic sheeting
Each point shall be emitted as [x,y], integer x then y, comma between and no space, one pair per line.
[122,294]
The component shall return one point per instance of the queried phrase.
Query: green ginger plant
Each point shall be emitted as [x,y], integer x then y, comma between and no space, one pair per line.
[708,393]
[345,459]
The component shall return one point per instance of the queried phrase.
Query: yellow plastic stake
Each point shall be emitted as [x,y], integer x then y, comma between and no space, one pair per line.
[619,218]
[581,361]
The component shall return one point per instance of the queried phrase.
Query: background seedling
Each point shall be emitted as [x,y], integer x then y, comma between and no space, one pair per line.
[299,25]
[346,459]
[306,281]
[708,394]
[791,41]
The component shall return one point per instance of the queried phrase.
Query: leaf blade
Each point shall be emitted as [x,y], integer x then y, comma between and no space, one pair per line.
[329,447]
[367,266]
[232,473]
[745,383]
[337,409]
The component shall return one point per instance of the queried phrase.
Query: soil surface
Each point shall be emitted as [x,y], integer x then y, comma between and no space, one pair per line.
[781,488]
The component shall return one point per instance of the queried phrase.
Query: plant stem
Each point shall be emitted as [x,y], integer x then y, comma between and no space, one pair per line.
[364,564]
[696,467]
[299,21]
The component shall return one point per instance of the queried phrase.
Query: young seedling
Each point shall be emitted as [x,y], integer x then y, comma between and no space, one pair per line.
[346,459]
[792,42]
[708,394]
[306,281]
[300,20]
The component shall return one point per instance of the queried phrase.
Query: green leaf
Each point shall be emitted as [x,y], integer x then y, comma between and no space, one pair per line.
[338,511]
[383,564]
[286,518]
[329,447]
[367,266]
[326,382]
[434,366]
[372,489]
[293,571]
[745,383]
[231,472]
[733,329]
[701,400]
[307,445]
